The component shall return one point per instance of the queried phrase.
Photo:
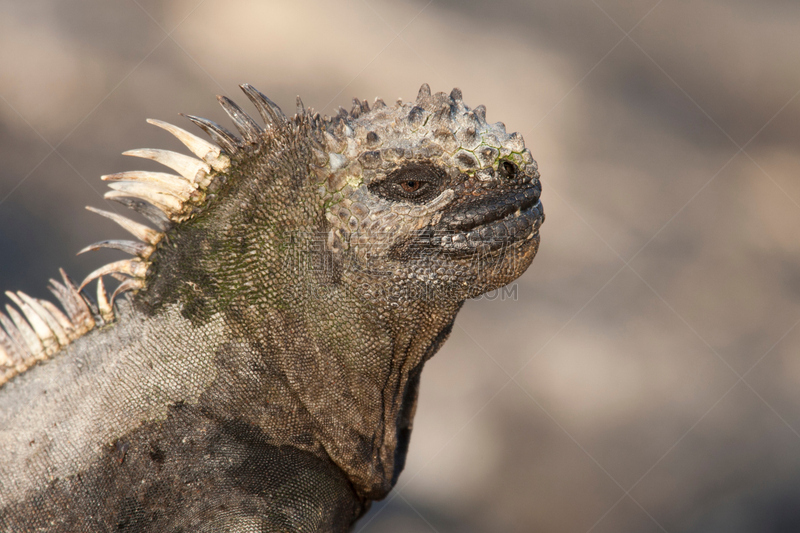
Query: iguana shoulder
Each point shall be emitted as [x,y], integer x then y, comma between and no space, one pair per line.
[258,363]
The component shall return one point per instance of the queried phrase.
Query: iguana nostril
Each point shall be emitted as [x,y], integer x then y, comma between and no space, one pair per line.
[507,169]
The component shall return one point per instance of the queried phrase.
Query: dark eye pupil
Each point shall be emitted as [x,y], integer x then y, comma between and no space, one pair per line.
[411,185]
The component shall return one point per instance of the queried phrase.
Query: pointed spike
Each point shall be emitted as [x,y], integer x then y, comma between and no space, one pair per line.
[251,132]
[67,280]
[268,109]
[456,95]
[7,347]
[49,319]
[480,112]
[164,179]
[169,207]
[355,111]
[378,103]
[9,357]
[222,137]
[199,147]
[443,112]
[80,313]
[301,109]
[84,320]
[169,203]
[127,285]
[37,324]
[12,340]
[151,212]
[129,247]
[130,267]
[187,166]
[106,311]
[424,92]
[203,149]
[91,305]
[334,144]
[140,231]
[62,294]
[29,336]
[320,157]
[175,185]
[61,318]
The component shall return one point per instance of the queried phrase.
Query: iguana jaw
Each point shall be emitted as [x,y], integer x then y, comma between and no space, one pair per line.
[488,225]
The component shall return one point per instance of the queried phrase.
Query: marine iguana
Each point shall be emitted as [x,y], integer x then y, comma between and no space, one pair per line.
[260,370]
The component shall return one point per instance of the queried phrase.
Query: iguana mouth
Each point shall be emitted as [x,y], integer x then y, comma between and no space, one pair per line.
[488,224]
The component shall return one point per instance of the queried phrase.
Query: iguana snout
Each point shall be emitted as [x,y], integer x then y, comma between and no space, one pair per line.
[430,196]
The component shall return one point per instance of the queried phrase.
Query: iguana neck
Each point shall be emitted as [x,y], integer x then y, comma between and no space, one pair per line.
[340,370]
[355,371]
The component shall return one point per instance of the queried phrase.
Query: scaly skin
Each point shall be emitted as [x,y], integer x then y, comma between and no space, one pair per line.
[263,374]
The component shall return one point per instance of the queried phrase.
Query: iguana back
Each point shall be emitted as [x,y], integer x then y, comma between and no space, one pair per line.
[257,367]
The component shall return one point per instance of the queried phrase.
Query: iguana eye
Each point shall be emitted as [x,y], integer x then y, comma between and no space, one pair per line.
[411,185]
[415,182]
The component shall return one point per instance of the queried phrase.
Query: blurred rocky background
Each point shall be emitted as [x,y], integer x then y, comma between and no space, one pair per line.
[647,376]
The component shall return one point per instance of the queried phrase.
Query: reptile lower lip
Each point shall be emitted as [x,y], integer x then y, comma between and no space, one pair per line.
[518,225]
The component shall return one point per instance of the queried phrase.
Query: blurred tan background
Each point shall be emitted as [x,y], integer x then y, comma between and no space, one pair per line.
[647,378]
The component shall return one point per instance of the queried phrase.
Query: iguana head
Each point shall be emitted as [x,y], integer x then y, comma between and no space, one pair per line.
[430,196]
[410,202]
